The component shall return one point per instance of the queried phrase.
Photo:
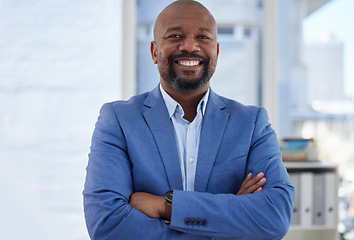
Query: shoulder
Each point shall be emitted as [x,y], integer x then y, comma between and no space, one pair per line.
[123,111]
[134,104]
[240,110]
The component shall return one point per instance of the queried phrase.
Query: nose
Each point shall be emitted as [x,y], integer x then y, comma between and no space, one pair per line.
[189,44]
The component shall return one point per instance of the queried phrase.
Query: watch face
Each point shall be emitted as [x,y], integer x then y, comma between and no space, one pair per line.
[169,196]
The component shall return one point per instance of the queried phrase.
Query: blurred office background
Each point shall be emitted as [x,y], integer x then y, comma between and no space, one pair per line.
[61,60]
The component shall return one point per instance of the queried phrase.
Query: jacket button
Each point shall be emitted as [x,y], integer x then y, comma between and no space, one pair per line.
[198,221]
[187,221]
[204,222]
[193,221]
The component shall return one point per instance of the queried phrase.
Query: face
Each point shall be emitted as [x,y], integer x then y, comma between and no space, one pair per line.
[185,47]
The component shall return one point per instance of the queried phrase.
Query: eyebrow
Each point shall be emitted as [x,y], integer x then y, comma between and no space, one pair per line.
[180,28]
[173,29]
[205,29]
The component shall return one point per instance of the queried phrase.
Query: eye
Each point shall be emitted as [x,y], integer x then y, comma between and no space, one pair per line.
[174,36]
[204,37]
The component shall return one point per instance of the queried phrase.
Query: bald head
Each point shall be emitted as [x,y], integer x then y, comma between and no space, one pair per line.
[176,8]
[185,47]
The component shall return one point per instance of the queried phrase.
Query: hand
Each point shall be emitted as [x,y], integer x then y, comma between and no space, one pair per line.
[251,185]
[151,205]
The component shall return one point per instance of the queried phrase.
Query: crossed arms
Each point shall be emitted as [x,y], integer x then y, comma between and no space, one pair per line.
[118,170]
[154,206]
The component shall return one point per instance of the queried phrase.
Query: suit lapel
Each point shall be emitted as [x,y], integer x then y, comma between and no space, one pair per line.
[214,124]
[162,129]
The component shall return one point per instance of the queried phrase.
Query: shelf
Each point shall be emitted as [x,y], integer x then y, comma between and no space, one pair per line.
[312,234]
[310,165]
[312,228]
[325,177]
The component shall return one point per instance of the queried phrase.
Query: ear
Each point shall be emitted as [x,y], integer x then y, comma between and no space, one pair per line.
[153,50]
[217,49]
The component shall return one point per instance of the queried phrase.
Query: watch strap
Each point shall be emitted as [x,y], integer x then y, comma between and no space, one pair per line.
[168,212]
[168,206]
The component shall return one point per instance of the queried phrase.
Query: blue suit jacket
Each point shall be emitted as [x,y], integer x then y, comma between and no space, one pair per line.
[134,150]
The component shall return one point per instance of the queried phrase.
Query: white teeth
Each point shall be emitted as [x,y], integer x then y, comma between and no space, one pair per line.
[189,63]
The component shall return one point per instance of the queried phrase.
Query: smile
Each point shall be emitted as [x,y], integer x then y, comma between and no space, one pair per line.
[189,63]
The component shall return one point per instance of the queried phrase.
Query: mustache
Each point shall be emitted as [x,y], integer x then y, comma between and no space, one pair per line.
[172,58]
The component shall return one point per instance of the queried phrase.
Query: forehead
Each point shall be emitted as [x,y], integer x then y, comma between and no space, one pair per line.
[185,16]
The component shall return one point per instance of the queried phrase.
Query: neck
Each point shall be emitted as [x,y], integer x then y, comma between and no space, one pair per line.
[188,100]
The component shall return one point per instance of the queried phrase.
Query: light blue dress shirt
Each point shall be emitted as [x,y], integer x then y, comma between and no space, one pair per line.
[187,136]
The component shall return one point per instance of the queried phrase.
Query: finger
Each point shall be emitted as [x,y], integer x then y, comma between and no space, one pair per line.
[258,184]
[259,176]
[253,181]
[262,182]
[252,188]
[248,178]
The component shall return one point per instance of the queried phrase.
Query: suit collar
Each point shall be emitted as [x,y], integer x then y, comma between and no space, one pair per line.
[212,132]
[162,129]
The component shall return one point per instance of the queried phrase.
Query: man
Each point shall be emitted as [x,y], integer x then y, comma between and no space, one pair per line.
[182,162]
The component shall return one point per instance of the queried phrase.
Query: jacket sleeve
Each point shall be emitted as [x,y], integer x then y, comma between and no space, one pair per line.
[108,187]
[261,215]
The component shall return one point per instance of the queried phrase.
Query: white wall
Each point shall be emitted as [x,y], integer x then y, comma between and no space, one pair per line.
[59,61]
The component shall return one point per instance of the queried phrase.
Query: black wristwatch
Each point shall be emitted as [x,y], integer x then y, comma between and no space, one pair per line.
[168,206]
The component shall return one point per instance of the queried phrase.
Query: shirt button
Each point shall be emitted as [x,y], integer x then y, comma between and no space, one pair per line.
[191,160]
[190,127]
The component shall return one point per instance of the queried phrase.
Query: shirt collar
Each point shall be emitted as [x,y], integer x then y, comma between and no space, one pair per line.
[172,104]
